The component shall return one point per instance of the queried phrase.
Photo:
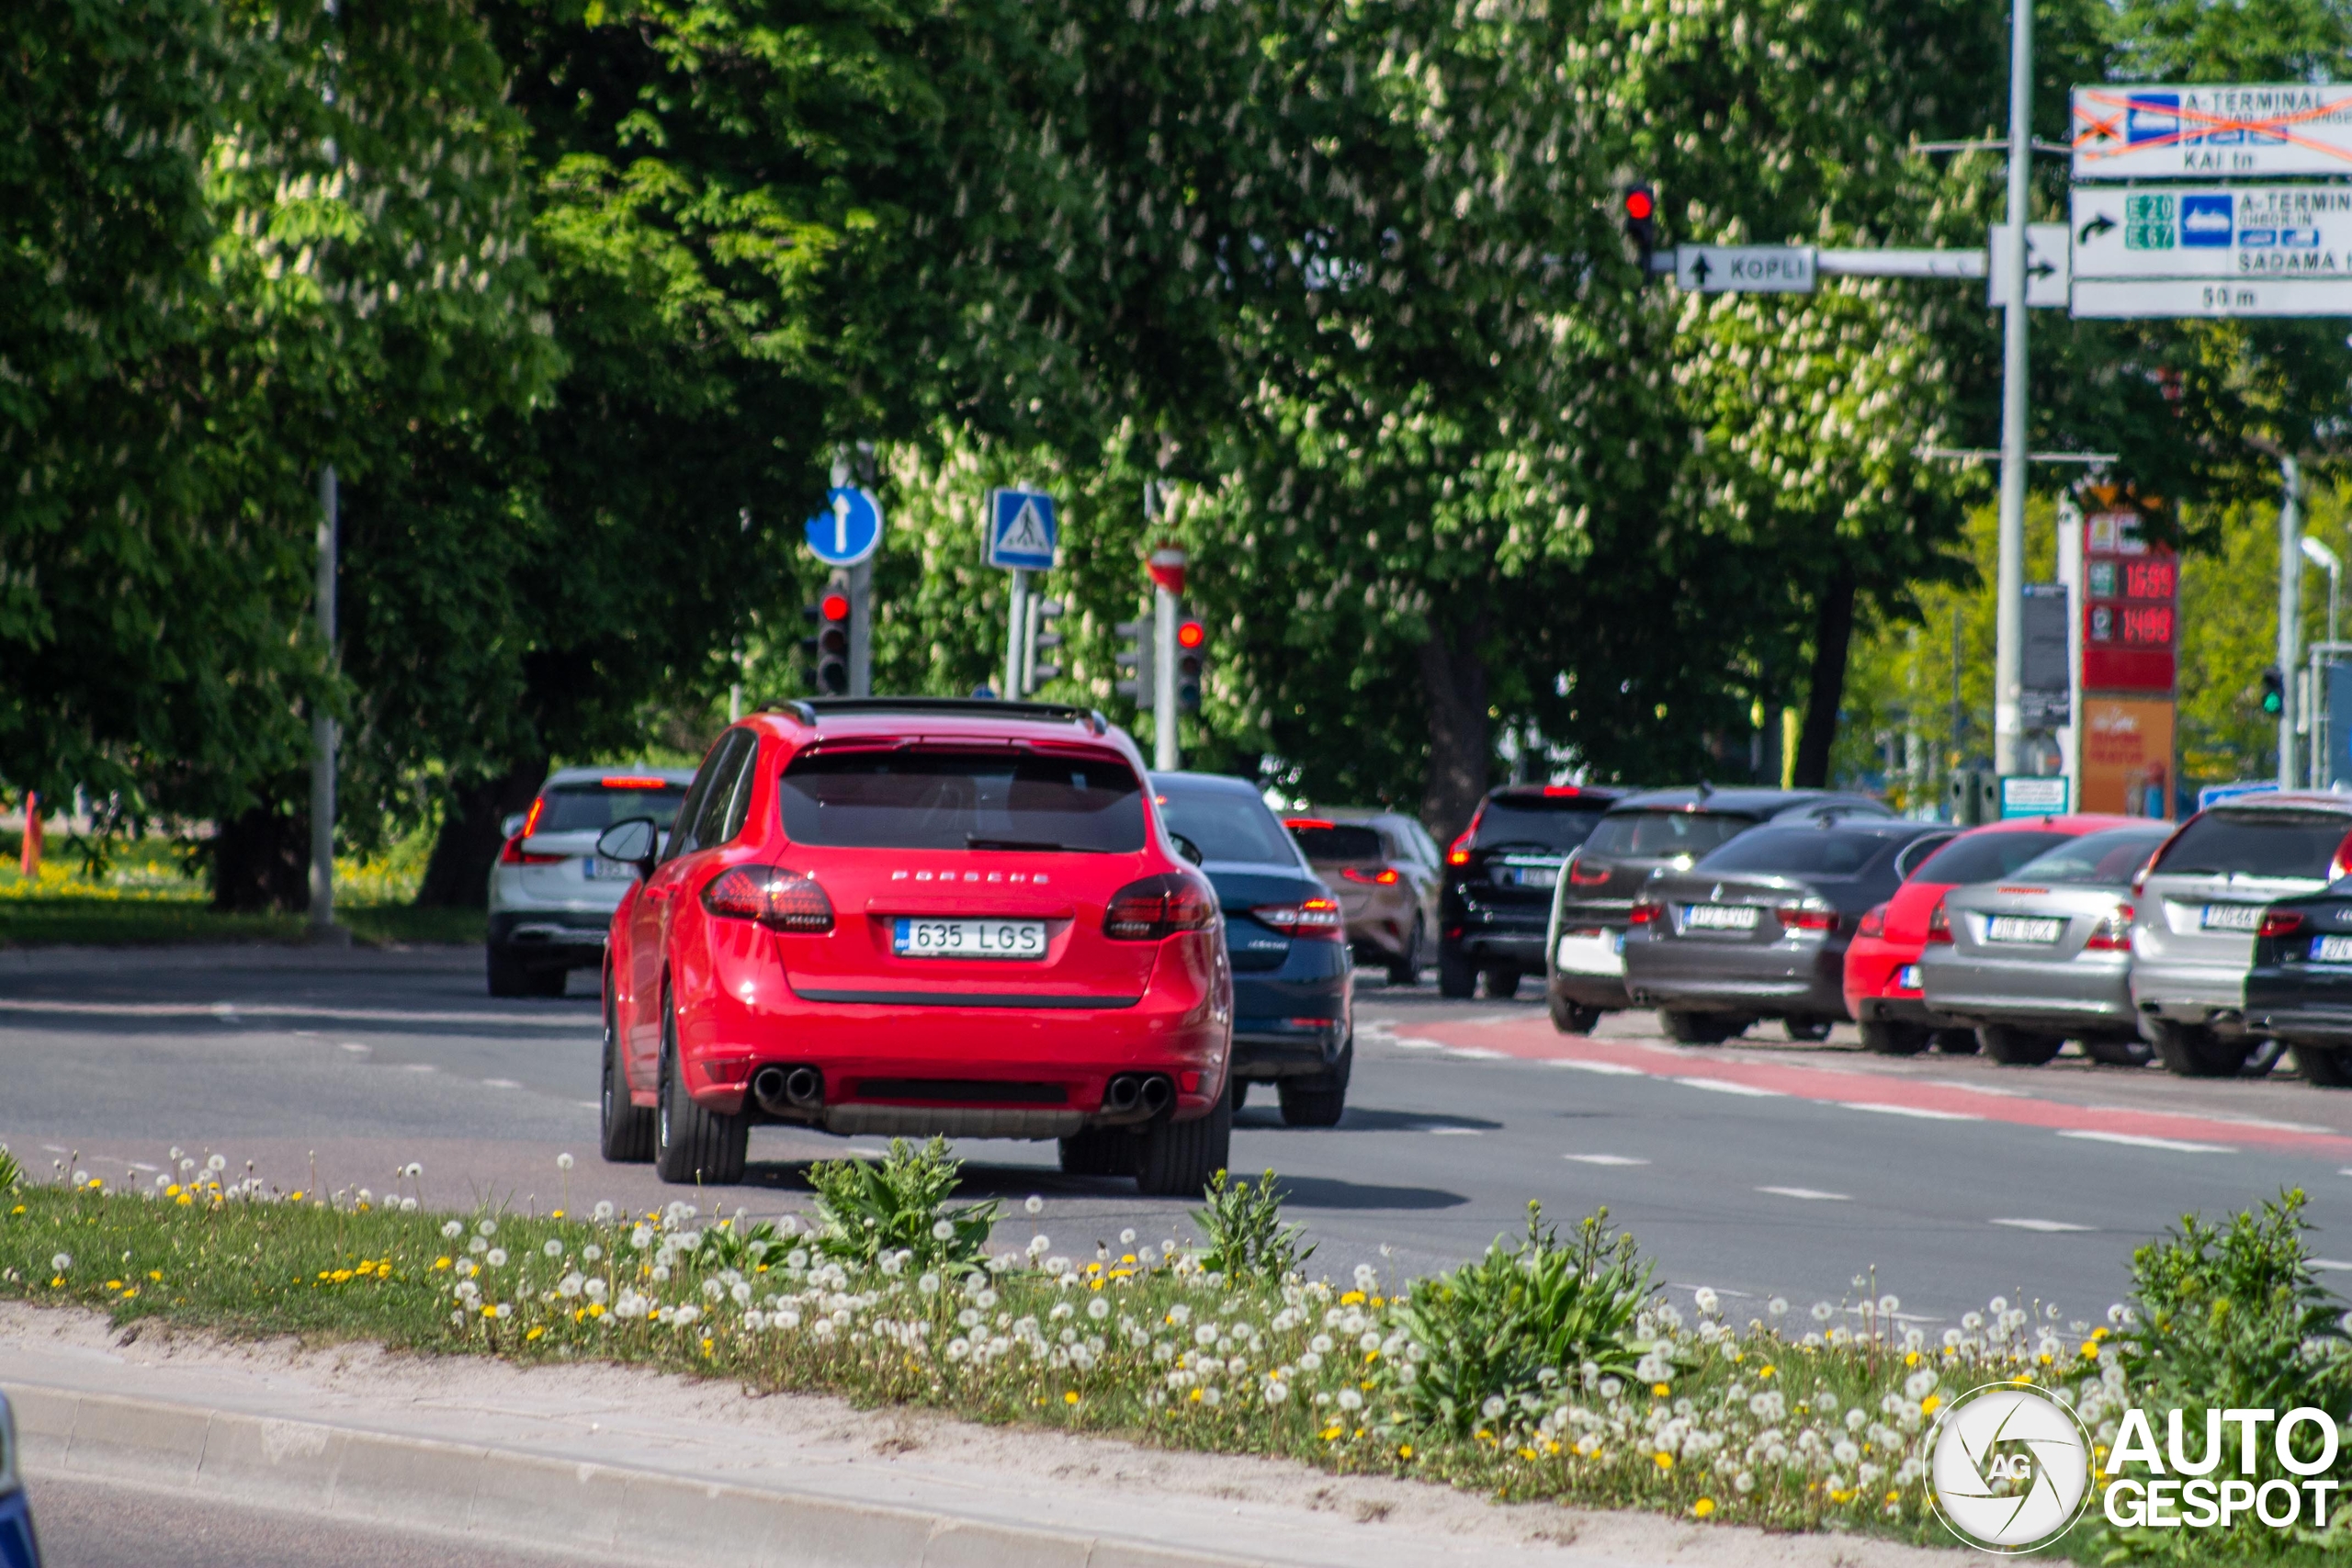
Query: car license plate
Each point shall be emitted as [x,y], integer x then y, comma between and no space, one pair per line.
[1592,952]
[1719,917]
[2232,917]
[1527,876]
[2022,928]
[1907,979]
[967,938]
[2332,949]
[599,869]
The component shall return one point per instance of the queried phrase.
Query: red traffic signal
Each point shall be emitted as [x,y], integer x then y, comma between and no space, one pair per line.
[1190,634]
[834,607]
[1641,220]
[1640,206]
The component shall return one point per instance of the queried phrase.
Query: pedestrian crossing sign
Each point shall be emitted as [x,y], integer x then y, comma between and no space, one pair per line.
[1022,530]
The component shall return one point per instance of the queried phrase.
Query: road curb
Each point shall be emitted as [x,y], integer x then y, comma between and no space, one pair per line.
[527,1499]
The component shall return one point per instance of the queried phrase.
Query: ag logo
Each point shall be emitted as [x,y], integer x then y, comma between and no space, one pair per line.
[2008,1468]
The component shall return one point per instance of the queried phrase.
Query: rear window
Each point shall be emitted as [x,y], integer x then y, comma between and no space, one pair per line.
[1535,824]
[2099,860]
[1341,843]
[1817,851]
[1985,857]
[2268,843]
[962,800]
[1230,825]
[1665,835]
[579,808]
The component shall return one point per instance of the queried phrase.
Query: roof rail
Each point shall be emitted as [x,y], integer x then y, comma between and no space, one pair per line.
[969,707]
[796,708]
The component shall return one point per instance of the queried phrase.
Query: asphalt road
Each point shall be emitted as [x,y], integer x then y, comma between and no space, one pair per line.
[1764,1168]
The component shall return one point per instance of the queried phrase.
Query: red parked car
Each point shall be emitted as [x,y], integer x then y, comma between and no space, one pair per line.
[910,916]
[1882,961]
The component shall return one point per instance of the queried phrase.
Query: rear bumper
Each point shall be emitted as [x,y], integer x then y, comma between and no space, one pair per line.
[1873,985]
[2070,991]
[1767,981]
[571,936]
[2189,993]
[2300,1004]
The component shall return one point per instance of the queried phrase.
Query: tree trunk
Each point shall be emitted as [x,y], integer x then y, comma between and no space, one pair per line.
[1453,682]
[456,876]
[1831,635]
[261,861]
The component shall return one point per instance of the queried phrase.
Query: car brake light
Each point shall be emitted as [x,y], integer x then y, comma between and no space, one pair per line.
[623,780]
[1384,878]
[1311,918]
[1306,822]
[1157,907]
[512,854]
[779,899]
[2341,867]
[1579,877]
[531,822]
[1458,852]
[1806,914]
[1938,923]
[2113,932]
[1646,911]
[1873,923]
[1557,791]
[2278,922]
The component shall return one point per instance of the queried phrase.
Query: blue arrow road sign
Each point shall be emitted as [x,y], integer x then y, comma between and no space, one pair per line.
[849,533]
[1022,530]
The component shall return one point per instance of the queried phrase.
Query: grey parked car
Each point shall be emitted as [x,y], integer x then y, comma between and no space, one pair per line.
[551,896]
[2199,905]
[2045,955]
[1758,929]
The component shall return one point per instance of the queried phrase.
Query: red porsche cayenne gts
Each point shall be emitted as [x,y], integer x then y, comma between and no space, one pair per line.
[888,916]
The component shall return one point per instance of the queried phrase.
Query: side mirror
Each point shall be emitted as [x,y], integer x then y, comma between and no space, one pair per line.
[1186,847]
[512,824]
[633,842]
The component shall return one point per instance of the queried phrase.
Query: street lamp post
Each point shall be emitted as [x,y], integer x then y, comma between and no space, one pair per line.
[2008,630]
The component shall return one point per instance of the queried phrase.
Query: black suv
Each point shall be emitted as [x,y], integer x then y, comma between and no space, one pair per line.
[1498,879]
[1658,830]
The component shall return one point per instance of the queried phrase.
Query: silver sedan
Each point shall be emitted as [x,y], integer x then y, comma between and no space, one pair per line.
[2045,957]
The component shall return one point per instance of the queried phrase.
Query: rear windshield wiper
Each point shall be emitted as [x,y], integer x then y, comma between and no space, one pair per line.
[975,841]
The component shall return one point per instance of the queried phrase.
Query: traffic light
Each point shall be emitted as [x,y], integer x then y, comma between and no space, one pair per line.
[831,641]
[1191,651]
[1135,661]
[1041,621]
[1641,220]
[2274,693]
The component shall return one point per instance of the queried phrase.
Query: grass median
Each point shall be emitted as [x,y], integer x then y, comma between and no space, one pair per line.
[1549,1367]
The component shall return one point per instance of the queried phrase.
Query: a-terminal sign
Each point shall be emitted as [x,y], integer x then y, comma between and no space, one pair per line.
[2266,250]
[2208,133]
[1745,269]
[1022,530]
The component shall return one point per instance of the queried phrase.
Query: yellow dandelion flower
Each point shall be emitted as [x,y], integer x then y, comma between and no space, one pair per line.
[1197,1396]
[1070,1396]
[1912,1359]
[1330,1434]
[1661,1390]
[555,1213]
[114,1284]
[156,1275]
[1665,1461]
[1404,1450]
[596,1309]
[1766,1371]
[1527,1453]
[1894,1497]
[184,1200]
[1352,1297]
[1702,1508]
[536,1331]
[440,1263]
[2090,1349]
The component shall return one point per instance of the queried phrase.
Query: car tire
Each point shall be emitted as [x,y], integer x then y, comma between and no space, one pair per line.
[2260,1057]
[2195,1051]
[2015,1047]
[1455,977]
[1241,1093]
[1686,1028]
[2118,1050]
[1957,1042]
[509,975]
[1407,971]
[1321,1100]
[628,1129]
[1805,1031]
[691,1144]
[1099,1151]
[2324,1066]
[1175,1159]
[1570,1019]
[1885,1037]
[1502,982]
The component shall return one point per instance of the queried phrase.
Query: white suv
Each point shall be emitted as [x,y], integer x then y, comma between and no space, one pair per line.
[2197,907]
[551,897]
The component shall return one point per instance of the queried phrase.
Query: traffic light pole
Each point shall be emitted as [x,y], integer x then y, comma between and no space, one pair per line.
[2290,609]
[323,727]
[2009,621]
[1016,623]
[1165,756]
[861,628]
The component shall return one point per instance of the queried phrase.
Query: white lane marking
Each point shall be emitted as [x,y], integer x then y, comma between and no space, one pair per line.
[1977,1088]
[1723,1086]
[1405,1042]
[500,1083]
[1478,1054]
[2047,1226]
[1454,1132]
[353,1046]
[2332,1265]
[1810,1194]
[1619,1070]
[589,1104]
[1921,1112]
[421,1067]
[2141,1141]
[859,1152]
[135,1165]
[237,1011]
[1605,1159]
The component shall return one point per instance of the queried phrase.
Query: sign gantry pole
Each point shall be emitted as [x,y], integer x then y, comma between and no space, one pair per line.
[2008,641]
[2290,609]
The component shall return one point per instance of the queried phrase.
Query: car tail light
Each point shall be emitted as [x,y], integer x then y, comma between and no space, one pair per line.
[1873,923]
[1938,923]
[1458,852]
[628,780]
[512,854]
[1157,907]
[1806,914]
[1384,878]
[779,899]
[2278,922]
[1579,877]
[1646,911]
[1312,919]
[2341,867]
[2113,932]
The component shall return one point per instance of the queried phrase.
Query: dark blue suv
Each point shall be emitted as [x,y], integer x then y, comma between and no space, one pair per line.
[1293,1017]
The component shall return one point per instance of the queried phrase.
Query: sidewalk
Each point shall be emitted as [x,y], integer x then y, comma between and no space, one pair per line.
[660,1470]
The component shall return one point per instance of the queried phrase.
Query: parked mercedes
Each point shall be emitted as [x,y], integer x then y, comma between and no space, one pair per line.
[551,896]
[1384,870]
[1642,835]
[2299,986]
[1758,928]
[1884,977]
[2043,954]
[1499,878]
[2197,907]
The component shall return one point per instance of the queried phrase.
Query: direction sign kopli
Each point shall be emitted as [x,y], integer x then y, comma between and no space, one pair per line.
[1023,531]
[2246,232]
[2207,132]
[850,532]
[1743,269]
